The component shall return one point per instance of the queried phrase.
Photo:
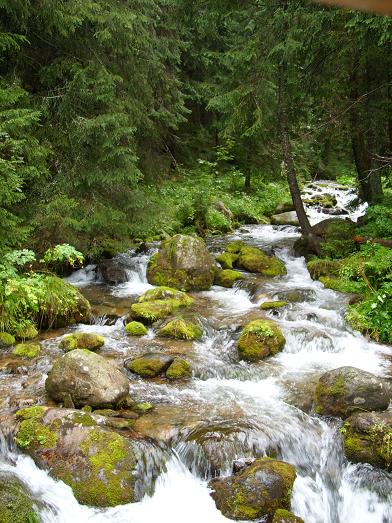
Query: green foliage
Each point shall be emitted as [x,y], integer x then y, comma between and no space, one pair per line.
[61,256]
[378,221]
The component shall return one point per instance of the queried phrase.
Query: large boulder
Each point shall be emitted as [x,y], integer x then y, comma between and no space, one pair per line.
[85,378]
[182,262]
[367,438]
[285,218]
[156,304]
[252,259]
[341,392]
[82,340]
[113,271]
[259,339]
[102,467]
[256,492]
[16,502]
[155,364]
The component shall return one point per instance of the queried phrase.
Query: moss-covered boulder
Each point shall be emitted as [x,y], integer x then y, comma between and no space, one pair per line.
[26,332]
[256,492]
[259,339]
[6,339]
[150,365]
[135,328]
[227,259]
[323,267]
[285,218]
[270,305]
[183,262]
[27,350]
[157,304]
[16,502]
[82,340]
[179,369]
[102,467]
[86,378]
[253,259]
[367,438]
[284,516]
[341,392]
[181,329]
[227,277]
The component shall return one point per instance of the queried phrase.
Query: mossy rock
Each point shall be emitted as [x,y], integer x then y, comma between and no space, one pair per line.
[227,278]
[102,467]
[235,247]
[255,260]
[143,408]
[257,492]
[6,339]
[16,503]
[340,285]
[259,339]
[150,365]
[320,267]
[82,340]
[183,262]
[268,305]
[367,438]
[284,516]
[167,293]
[346,390]
[135,328]
[227,259]
[152,311]
[27,350]
[180,329]
[179,369]
[27,332]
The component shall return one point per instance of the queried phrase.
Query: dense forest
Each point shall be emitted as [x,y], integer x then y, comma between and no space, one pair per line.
[195,262]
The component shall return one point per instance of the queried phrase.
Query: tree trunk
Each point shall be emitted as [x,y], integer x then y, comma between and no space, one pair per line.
[247,185]
[287,153]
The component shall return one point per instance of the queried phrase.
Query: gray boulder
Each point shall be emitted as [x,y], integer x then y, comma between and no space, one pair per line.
[285,218]
[84,378]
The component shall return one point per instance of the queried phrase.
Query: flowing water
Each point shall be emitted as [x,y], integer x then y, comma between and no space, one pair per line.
[229,409]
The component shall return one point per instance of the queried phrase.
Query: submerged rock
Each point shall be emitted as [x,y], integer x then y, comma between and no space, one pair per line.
[258,491]
[16,503]
[102,467]
[82,340]
[182,262]
[367,438]
[259,339]
[86,379]
[341,392]
[227,278]
[180,329]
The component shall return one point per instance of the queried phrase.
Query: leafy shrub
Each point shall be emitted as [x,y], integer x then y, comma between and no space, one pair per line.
[378,221]
[62,257]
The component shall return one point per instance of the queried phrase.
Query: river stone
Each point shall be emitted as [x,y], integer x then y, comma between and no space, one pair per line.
[102,467]
[183,262]
[343,391]
[367,438]
[16,503]
[253,259]
[87,379]
[258,491]
[285,218]
[259,339]
[82,340]
[112,271]
[284,516]
[227,277]
[150,365]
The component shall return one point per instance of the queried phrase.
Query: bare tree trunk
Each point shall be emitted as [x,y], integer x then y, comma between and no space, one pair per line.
[287,153]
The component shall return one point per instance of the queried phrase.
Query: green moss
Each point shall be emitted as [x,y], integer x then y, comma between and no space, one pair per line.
[326,394]
[31,412]
[135,328]
[319,267]
[167,293]
[143,408]
[259,339]
[109,482]
[82,341]
[180,329]
[27,333]
[149,367]
[235,247]
[82,418]
[227,259]
[340,285]
[180,368]
[106,412]
[33,434]
[87,408]
[227,278]
[284,516]
[149,312]
[267,305]
[27,350]
[16,505]
[255,260]
[6,339]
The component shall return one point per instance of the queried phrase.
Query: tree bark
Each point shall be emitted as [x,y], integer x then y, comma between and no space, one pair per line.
[287,152]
